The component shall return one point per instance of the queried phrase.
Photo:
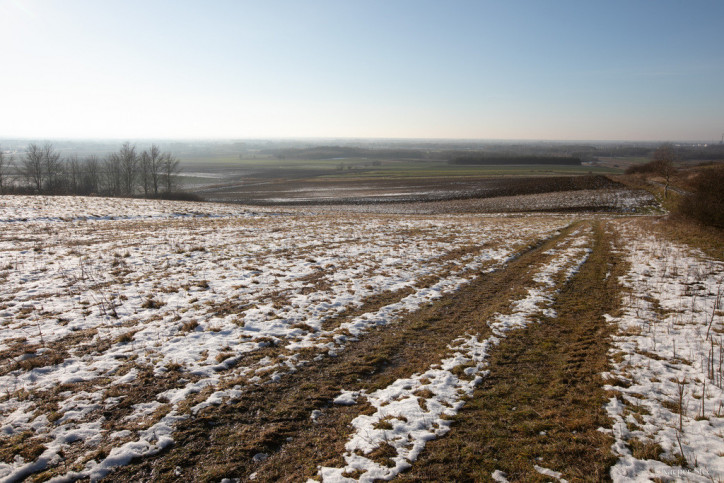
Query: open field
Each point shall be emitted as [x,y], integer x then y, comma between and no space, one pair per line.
[352,167]
[230,173]
[163,341]
[601,193]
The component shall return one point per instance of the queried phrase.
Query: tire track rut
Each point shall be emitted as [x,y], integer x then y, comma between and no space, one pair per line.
[541,405]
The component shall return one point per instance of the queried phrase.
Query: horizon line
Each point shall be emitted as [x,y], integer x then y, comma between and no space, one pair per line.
[349,138]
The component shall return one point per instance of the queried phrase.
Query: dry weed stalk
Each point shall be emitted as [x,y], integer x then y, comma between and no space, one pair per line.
[715,308]
[681,390]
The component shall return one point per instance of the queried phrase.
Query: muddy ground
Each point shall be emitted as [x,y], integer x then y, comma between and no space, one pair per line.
[594,193]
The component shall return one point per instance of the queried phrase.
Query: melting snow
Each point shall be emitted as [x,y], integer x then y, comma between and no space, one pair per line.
[668,363]
[105,293]
[414,410]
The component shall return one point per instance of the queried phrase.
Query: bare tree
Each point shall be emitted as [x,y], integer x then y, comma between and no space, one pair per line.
[74,173]
[112,176]
[3,170]
[6,162]
[53,168]
[128,160]
[169,171]
[155,163]
[90,175]
[158,171]
[32,167]
[145,171]
[662,163]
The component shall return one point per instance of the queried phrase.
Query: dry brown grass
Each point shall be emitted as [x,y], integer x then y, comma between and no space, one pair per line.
[21,355]
[542,402]
[677,227]
[23,445]
[708,239]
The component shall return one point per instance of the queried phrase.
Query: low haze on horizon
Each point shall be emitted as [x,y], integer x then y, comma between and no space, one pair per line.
[559,70]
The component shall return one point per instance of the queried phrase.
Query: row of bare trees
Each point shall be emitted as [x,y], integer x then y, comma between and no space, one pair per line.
[5,163]
[151,172]
[123,173]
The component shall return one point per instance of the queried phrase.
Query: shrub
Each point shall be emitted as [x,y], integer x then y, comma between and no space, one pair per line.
[179,196]
[646,168]
[152,303]
[189,326]
[706,201]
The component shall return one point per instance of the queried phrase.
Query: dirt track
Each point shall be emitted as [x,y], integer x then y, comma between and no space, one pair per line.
[273,419]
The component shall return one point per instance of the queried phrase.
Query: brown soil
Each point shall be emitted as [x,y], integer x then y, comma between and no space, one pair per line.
[375,191]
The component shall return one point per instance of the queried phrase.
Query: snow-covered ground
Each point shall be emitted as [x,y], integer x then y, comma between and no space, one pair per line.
[78,208]
[668,402]
[100,296]
[176,306]
[608,200]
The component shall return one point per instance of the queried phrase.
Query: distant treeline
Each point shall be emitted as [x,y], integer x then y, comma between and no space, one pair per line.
[525,153]
[713,152]
[452,156]
[42,170]
[341,152]
[515,160]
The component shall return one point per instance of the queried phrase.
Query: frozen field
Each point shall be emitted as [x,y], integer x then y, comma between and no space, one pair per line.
[122,319]
[667,379]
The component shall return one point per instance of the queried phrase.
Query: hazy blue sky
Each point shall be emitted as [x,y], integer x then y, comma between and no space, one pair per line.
[638,70]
